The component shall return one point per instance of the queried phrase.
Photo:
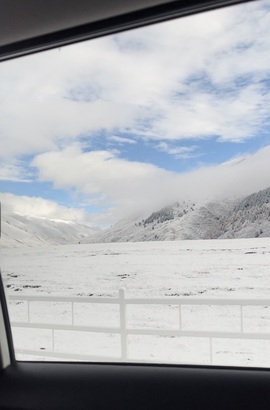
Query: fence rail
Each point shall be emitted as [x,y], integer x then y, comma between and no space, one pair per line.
[122,301]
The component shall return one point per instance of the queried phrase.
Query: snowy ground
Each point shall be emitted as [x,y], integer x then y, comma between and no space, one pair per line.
[238,268]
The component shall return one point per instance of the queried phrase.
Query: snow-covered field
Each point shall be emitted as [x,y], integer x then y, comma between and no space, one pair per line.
[238,268]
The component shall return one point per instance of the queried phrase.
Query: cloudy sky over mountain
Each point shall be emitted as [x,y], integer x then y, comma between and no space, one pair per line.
[100,129]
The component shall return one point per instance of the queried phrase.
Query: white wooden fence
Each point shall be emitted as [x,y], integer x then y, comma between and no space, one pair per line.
[124,331]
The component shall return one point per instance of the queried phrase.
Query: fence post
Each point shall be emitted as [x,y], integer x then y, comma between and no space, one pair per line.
[72,313]
[241,319]
[123,327]
[211,349]
[53,340]
[28,311]
[180,317]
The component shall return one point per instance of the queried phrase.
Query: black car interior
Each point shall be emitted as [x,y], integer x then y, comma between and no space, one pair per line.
[30,26]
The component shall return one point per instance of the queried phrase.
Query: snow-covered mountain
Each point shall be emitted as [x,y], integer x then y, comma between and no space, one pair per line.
[249,218]
[237,218]
[186,220]
[19,230]
[245,217]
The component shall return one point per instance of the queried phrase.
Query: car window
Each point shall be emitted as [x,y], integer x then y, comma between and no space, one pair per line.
[135,194]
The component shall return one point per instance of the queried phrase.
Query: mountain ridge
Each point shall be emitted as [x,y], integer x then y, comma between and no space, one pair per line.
[242,217]
[18,230]
[212,219]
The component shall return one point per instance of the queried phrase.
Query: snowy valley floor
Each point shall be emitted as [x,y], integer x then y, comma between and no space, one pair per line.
[238,268]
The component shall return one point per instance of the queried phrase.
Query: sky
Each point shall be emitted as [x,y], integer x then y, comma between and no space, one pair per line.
[102,129]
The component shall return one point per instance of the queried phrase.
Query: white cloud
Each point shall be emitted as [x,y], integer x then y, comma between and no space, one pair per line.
[105,179]
[128,187]
[122,140]
[233,116]
[187,78]
[14,171]
[40,207]
[242,175]
[122,187]
[179,152]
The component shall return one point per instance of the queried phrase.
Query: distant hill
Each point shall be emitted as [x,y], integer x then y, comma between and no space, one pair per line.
[18,230]
[246,217]
[186,220]
[249,218]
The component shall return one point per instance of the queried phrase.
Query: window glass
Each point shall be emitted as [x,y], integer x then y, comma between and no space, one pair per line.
[135,194]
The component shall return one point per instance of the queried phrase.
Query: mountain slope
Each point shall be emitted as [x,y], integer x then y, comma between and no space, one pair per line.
[237,218]
[249,218]
[185,220]
[18,230]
